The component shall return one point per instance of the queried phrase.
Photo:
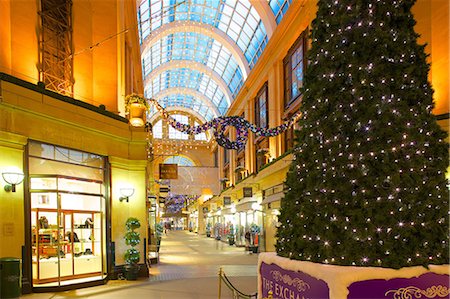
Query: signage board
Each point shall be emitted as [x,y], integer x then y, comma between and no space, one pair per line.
[168,171]
[226,200]
[248,192]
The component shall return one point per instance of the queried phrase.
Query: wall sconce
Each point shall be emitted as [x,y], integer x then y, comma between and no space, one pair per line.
[126,193]
[12,179]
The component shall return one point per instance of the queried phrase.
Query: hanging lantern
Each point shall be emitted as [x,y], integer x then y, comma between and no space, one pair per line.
[137,114]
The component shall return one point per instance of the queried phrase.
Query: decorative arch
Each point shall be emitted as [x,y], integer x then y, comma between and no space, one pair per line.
[188,91]
[200,28]
[156,117]
[188,64]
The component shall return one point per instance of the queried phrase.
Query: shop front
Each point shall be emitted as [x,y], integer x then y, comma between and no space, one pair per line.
[250,230]
[67,215]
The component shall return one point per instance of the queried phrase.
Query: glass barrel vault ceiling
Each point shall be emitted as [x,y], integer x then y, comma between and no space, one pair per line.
[196,54]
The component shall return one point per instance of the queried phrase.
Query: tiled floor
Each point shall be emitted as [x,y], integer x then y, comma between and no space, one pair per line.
[188,268]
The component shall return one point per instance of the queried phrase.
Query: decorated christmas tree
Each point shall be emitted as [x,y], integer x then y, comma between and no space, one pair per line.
[367,185]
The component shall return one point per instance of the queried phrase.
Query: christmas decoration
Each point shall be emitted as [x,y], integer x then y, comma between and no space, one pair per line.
[176,202]
[367,185]
[220,124]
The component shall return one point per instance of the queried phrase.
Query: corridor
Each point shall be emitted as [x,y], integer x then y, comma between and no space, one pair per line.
[188,267]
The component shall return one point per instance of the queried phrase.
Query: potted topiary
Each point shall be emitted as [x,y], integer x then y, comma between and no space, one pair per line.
[208,229]
[132,255]
[159,233]
[230,235]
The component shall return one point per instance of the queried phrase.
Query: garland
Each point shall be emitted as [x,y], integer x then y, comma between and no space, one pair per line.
[220,124]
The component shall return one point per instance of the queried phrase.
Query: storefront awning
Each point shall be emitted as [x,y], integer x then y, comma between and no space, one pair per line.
[272,198]
[244,207]
[226,211]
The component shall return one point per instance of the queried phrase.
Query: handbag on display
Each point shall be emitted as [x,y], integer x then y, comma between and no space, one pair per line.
[43,222]
[89,223]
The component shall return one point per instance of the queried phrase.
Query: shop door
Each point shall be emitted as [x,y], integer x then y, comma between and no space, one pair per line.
[67,233]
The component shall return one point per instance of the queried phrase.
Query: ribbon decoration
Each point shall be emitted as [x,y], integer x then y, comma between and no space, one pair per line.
[220,124]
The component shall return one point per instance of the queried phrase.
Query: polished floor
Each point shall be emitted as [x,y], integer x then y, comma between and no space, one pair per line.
[188,268]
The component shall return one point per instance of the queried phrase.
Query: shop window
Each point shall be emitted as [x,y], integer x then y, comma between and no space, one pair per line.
[294,65]
[68,208]
[261,108]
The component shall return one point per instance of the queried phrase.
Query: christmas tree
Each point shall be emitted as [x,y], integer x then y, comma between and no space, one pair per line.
[367,185]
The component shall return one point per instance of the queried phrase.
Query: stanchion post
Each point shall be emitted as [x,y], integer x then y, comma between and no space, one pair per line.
[220,282]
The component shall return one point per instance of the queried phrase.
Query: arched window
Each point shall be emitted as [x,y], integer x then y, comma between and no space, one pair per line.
[180,160]
[174,133]
[201,136]
[157,130]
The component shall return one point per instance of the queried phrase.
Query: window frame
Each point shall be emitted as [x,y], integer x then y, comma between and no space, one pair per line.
[257,104]
[302,40]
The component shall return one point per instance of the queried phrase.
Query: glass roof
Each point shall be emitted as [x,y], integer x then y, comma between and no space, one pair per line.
[196,47]
[189,78]
[187,101]
[224,37]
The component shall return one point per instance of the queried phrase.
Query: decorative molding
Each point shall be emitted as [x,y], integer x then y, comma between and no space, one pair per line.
[287,279]
[438,291]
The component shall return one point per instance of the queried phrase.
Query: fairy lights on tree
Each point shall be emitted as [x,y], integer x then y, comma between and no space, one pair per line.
[367,186]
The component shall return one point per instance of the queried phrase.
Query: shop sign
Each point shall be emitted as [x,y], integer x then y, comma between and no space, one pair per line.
[290,284]
[168,171]
[226,200]
[248,192]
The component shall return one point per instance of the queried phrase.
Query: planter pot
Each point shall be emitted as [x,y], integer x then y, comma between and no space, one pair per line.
[253,249]
[208,235]
[131,272]
[298,279]
[158,244]
[137,114]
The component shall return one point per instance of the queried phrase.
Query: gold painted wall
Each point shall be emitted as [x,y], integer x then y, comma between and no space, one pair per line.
[11,203]
[27,114]
[102,71]
[126,172]
[433,25]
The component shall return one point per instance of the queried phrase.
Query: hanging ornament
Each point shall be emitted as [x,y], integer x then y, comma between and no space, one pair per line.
[220,124]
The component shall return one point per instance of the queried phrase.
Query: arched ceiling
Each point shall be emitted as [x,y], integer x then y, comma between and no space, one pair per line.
[196,54]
